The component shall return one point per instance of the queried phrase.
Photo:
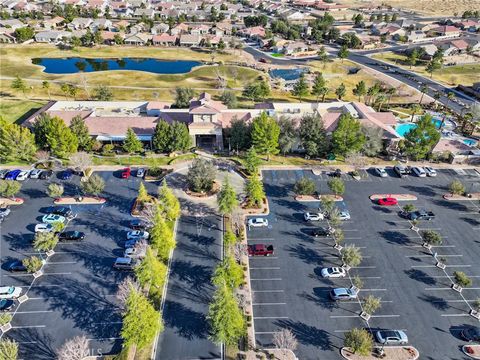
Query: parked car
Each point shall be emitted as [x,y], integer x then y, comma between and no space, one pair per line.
[6,304]
[381,172]
[61,210]
[320,231]
[137,234]
[343,294]
[4,212]
[258,222]
[53,218]
[260,250]
[12,175]
[333,272]
[134,252]
[22,175]
[419,171]
[418,215]
[344,215]
[471,333]
[125,263]
[44,228]
[15,266]
[308,216]
[131,243]
[4,173]
[388,201]
[35,173]
[336,173]
[71,235]
[391,337]
[401,170]
[46,174]
[140,172]
[65,174]
[431,172]
[262,60]
[126,173]
[10,292]
[138,224]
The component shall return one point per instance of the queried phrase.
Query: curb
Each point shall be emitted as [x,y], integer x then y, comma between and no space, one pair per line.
[345,350]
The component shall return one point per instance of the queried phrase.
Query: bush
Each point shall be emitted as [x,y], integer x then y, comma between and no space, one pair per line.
[360,341]
[462,279]
[201,176]
[408,208]
[456,187]
[304,186]
[431,237]
[107,149]
[5,319]
[32,263]
[371,304]
[337,186]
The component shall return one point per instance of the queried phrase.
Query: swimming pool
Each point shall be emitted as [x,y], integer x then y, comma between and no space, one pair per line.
[403,129]
[470,142]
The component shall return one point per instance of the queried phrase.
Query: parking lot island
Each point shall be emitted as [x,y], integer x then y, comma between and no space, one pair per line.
[454,197]
[11,201]
[390,353]
[399,197]
[79,200]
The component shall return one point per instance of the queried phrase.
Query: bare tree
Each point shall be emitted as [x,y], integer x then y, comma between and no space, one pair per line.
[239,251]
[141,246]
[74,349]
[81,161]
[149,211]
[285,340]
[241,300]
[42,155]
[123,291]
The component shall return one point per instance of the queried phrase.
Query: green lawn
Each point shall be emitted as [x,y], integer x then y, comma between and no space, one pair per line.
[18,110]
[141,160]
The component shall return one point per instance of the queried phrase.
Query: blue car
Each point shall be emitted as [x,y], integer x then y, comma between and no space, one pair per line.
[12,175]
[66,175]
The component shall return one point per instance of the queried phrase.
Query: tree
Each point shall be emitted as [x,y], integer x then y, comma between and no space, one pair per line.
[313,136]
[229,99]
[162,137]
[360,89]
[285,341]
[226,319]
[46,86]
[373,140]
[301,88]
[343,52]
[80,130]
[252,161]
[371,304]
[229,239]
[476,305]
[348,136]
[322,56]
[9,188]
[228,272]
[413,57]
[168,202]
[337,186]
[227,198]
[265,133]
[351,255]
[132,143]
[288,134]
[183,97]
[73,91]
[55,190]
[151,271]
[161,237]
[53,135]
[254,191]
[123,291]
[360,341]
[461,279]
[239,134]
[180,138]
[102,93]
[257,91]
[93,186]
[340,91]
[201,175]
[65,89]
[8,349]
[23,34]
[319,87]
[431,237]
[19,85]
[32,264]
[420,140]
[81,161]
[433,66]
[456,187]
[45,241]
[304,186]
[76,348]
[423,89]
[141,321]
[17,143]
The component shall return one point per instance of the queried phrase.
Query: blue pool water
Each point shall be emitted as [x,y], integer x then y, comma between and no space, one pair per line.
[470,142]
[286,74]
[403,129]
[75,65]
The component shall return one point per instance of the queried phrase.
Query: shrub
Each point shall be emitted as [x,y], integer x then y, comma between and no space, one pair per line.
[408,208]
[201,175]
[431,237]
[32,263]
[304,186]
[5,319]
[462,279]
[360,341]
[371,304]
[456,187]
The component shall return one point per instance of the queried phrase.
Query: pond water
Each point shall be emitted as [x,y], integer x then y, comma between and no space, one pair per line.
[76,64]
[287,74]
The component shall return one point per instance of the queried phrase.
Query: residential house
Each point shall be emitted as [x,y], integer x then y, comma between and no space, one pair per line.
[109,37]
[468,25]
[12,24]
[80,23]
[53,23]
[121,25]
[201,29]
[416,36]
[52,36]
[225,27]
[101,24]
[190,40]
[294,48]
[160,29]
[7,37]
[144,13]
[138,39]
[180,29]
[446,31]
[164,40]
[254,33]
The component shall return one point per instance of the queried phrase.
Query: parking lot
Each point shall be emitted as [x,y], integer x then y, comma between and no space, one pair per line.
[289,292]
[76,294]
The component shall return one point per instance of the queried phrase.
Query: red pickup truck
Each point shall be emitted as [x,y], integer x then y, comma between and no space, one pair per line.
[260,250]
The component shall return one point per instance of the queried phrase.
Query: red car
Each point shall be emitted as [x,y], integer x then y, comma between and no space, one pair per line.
[260,250]
[126,173]
[389,201]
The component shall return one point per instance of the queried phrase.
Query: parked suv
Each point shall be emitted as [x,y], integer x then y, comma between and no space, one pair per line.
[401,170]
[125,263]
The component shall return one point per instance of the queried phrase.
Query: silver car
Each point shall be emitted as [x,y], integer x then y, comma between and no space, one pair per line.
[391,337]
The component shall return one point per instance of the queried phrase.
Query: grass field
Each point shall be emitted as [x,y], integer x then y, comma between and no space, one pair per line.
[17,110]
[426,7]
[449,75]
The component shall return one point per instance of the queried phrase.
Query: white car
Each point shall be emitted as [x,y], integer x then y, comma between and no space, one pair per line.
[10,292]
[137,234]
[44,228]
[35,173]
[333,272]
[419,171]
[23,175]
[308,216]
[258,222]
[344,215]
[134,252]
[431,172]
[381,172]
[52,218]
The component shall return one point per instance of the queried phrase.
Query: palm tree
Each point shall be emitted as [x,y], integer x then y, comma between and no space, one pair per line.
[46,86]
[423,90]
[415,109]
[437,95]
[450,97]
[390,92]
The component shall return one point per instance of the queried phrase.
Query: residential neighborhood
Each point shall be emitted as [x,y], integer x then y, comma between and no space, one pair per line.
[251,179]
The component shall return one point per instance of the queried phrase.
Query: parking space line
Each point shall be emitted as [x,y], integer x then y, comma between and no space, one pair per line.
[449,288]
[58,273]
[454,315]
[432,266]
[373,289]
[265,332]
[267,291]
[264,268]
[385,316]
[429,256]
[270,317]
[343,316]
[29,327]
[62,262]
[33,312]
[275,279]
[364,267]
[102,339]
[267,304]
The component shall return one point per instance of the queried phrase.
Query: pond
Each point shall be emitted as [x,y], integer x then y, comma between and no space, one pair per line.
[75,64]
[287,74]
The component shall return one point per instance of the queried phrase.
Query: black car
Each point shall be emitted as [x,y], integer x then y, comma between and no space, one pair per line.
[15,266]
[60,210]
[336,173]
[71,235]
[471,334]
[4,173]
[46,174]
[138,224]
[6,304]
[321,232]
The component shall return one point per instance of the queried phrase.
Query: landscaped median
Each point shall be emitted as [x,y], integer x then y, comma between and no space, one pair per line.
[11,201]
[456,197]
[71,200]
[318,197]
[399,197]
[390,353]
